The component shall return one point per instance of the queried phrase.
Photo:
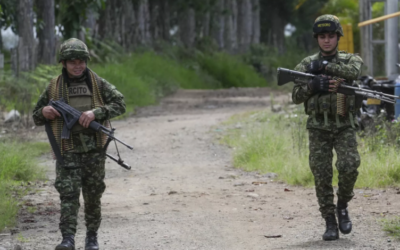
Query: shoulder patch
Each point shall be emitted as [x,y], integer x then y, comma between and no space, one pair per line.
[344,55]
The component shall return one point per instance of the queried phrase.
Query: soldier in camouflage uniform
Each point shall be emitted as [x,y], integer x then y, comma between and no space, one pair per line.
[331,124]
[83,154]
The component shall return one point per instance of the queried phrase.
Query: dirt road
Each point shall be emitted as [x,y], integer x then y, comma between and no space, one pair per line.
[183,193]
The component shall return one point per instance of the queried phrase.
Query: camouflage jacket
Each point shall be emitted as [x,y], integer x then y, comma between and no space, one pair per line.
[114,106]
[343,65]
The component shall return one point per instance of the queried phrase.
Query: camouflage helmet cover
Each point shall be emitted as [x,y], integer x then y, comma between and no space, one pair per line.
[72,49]
[326,24]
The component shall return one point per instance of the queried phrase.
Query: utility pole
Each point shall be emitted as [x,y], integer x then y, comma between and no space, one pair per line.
[365,33]
[391,40]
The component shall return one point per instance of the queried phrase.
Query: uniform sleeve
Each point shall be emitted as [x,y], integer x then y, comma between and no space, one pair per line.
[114,104]
[350,71]
[300,92]
[43,101]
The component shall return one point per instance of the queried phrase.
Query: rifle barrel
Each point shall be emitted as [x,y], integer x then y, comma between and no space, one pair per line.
[370,91]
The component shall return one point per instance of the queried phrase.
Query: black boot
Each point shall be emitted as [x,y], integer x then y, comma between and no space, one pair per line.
[345,225]
[91,241]
[68,243]
[331,232]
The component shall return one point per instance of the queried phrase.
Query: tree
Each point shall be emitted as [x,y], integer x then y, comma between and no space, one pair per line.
[46,31]
[26,42]
[244,26]
[71,15]
[187,22]
[230,32]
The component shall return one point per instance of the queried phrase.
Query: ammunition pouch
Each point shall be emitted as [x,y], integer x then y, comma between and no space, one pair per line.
[325,105]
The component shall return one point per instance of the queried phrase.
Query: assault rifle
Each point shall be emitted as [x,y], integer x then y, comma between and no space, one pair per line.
[71,116]
[287,75]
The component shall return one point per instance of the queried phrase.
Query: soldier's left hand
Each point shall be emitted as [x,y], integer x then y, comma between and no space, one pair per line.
[316,67]
[86,118]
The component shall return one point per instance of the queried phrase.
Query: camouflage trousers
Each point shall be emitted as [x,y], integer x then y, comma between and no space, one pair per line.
[74,175]
[320,159]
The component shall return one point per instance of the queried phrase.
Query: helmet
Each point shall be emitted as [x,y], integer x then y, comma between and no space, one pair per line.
[73,49]
[326,24]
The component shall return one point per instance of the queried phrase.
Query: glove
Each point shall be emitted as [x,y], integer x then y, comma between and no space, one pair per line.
[319,84]
[316,67]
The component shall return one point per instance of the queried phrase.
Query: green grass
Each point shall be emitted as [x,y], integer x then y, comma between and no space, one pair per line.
[392,227]
[17,166]
[275,143]
[8,206]
[262,142]
[230,70]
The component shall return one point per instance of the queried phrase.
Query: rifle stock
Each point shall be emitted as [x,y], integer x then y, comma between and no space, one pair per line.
[287,75]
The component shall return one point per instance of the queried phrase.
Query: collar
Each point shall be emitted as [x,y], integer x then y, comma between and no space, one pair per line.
[332,58]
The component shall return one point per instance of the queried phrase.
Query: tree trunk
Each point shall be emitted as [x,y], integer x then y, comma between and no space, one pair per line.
[127,25]
[154,10]
[1,39]
[244,25]
[255,37]
[164,20]
[26,43]
[230,32]
[187,27]
[143,20]
[205,27]
[277,30]
[106,21]
[46,35]
[90,22]
[218,23]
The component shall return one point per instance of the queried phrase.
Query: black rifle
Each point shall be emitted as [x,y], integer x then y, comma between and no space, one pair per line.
[287,75]
[71,116]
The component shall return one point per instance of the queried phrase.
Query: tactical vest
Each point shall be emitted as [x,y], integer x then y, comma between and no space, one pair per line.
[326,104]
[80,98]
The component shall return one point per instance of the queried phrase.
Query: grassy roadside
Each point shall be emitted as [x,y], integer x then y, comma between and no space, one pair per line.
[17,167]
[269,142]
[278,143]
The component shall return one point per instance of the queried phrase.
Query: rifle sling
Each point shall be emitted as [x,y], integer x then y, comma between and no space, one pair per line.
[53,143]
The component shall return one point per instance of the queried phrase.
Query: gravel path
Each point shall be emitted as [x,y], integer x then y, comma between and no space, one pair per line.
[183,193]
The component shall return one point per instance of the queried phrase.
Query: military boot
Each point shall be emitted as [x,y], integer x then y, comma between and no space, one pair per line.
[91,241]
[331,232]
[345,224]
[68,243]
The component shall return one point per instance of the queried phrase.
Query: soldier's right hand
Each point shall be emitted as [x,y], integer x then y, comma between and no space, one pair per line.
[319,84]
[50,113]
